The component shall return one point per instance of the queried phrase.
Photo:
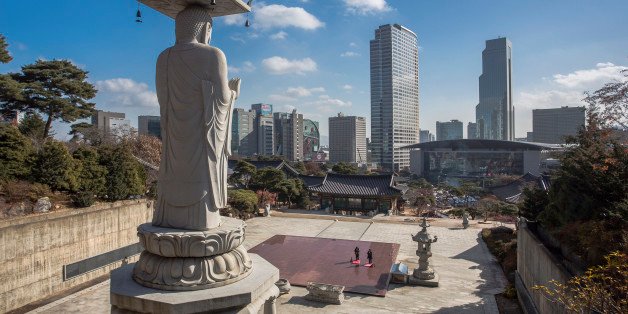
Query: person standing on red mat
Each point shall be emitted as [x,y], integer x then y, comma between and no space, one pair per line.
[357,253]
[369,256]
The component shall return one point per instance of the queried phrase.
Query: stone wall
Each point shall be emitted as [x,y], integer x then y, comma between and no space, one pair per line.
[536,265]
[35,249]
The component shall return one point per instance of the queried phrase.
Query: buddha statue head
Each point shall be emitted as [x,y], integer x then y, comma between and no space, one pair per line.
[193,25]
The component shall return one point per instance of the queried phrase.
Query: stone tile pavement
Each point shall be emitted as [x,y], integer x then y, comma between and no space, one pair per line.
[469,275]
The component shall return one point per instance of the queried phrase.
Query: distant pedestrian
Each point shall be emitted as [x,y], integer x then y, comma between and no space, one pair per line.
[357,253]
[369,256]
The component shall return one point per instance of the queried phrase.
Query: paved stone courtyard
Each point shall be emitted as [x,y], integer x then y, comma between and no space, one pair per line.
[469,275]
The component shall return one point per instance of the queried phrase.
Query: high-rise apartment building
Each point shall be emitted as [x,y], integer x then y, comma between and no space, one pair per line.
[451,130]
[243,137]
[111,122]
[494,114]
[288,129]
[149,125]
[472,130]
[394,95]
[553,125]
[347,139]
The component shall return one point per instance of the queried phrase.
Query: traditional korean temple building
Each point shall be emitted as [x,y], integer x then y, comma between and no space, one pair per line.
[343,193]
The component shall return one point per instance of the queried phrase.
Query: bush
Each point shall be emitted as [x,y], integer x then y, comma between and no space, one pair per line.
[83,199]
[38,190]
[92,176]
[55,167]
[243,200]
[18,191]
[15,153]
[125,175]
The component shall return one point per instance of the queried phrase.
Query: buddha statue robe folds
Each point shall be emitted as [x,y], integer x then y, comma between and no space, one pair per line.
[196,102]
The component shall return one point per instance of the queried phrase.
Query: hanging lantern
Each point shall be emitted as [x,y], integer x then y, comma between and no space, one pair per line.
[249,3]
[138,14]
[247,23]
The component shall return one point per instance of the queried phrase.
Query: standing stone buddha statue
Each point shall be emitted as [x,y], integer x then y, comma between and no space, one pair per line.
[195,100]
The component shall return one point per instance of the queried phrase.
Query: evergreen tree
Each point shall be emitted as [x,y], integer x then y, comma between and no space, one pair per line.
[15,153]
[5,57]
[125,175]
[32,126]
[243,200]
[92,176]
[55,167]
[345,168]
[243,172]
[57,89]
[267,179]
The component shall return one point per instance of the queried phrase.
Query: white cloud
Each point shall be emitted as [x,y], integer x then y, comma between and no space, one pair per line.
[347,87]
[353,44]
[281,98]
[233,19]
[349,54]
[280,16]
[602,73]
[327,104]
[247,66]
[126,92]
[366,6]
[279,35]
[301,91]
[279,65]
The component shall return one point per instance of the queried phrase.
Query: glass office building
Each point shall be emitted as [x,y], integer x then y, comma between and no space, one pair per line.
[394,95]
[494,114]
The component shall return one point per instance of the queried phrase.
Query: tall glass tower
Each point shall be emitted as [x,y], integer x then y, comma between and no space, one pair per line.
[394,95]
[495,115]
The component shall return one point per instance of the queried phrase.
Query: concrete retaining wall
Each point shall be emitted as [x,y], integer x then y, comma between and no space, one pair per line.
[536,265]
[34,249]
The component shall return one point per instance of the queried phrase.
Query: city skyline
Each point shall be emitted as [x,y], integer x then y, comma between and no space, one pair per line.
[297,62]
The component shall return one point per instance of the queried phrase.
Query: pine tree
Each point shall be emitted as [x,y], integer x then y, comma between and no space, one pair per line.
[57,89]
[5,57]
[55,167]
[92,176]
[15,153]
[125,175]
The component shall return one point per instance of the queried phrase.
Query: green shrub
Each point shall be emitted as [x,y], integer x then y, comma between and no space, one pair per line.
[83,199]
[38,190]
[92,176]
[125,175]
[15,153]
[243,200]
[55,167]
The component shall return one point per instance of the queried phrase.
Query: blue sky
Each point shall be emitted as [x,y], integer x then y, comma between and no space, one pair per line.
[313,55]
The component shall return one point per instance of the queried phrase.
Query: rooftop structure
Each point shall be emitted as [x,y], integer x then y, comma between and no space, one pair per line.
[476,158]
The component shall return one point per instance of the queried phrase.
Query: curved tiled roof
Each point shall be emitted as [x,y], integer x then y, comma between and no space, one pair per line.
[310,181]
[357,185]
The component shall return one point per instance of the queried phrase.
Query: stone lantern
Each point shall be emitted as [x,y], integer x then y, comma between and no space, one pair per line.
[424,275]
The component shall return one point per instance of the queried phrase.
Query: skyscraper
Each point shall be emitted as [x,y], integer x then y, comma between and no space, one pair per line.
[472,130]
[311,139]
[426,136]
[494,114]
[555,124]
[263,140]
[111,123]
[451,130]
[347,139]
[243,141]
[288,129]
[394,95]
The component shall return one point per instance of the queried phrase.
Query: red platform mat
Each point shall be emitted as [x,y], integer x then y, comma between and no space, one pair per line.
[303,259]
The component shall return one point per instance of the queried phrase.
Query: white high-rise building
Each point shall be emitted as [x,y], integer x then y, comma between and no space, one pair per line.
[347,139]
[394,95]
[495,114]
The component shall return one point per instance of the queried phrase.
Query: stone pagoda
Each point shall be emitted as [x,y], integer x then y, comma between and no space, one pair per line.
[424,275]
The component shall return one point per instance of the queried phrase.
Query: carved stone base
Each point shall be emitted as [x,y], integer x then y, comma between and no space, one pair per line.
[177,259]
[423,274]
[424,282]
[256,293]
[325,293]
[192,273]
